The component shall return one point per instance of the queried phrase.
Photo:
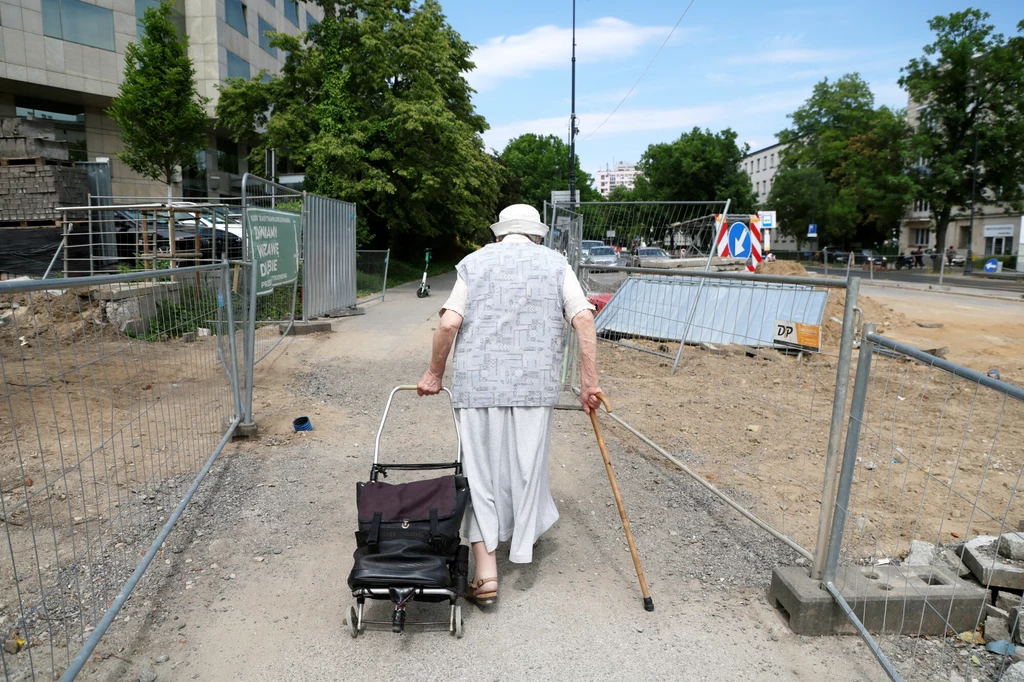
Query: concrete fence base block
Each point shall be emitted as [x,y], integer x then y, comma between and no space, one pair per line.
[346,312]
[242,430]
[303,328]
[908,600]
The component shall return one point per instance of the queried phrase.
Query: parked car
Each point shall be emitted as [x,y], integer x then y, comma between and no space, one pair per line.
[860,257]
[587,245]
[602,255]
[651,257]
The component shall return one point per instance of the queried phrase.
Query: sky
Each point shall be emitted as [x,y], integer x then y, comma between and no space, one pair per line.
[740,64]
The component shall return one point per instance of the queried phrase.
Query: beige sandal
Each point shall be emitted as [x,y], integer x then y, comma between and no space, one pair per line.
[474,593]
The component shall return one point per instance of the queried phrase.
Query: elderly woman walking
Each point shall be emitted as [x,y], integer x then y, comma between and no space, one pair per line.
[507,317]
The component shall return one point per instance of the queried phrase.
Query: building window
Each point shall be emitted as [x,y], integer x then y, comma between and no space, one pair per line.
[291,11]
[235,12]
[759,164]
[68,122]
[922,236]
[79,22]
[237,67]
[265,26]
[177,15]
[310,21]
[227,155]
[998,246]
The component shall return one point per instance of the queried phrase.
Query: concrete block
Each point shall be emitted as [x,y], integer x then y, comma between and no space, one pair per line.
[1007,600]
[921,554]
[996,629]
[346,312]
[304,328]
[991,569]
[895,599]
[242,430]
[1011,546]
[1015,673]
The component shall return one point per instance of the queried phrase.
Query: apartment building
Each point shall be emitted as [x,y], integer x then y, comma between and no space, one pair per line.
[998,230]
[63,60]
[761,166]
[624,175]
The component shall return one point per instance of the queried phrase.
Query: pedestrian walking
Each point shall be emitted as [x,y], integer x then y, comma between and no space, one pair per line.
[507,317]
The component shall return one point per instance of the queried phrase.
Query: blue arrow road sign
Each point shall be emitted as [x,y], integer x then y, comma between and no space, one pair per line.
[812,230]
[739,241]
[991,265]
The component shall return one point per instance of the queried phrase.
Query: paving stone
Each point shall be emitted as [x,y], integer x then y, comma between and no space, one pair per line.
[989,568]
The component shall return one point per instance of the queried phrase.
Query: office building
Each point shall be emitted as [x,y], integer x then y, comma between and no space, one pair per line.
[63,60]
[761,166]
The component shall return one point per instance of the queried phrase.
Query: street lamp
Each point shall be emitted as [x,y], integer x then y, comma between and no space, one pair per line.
[969,263]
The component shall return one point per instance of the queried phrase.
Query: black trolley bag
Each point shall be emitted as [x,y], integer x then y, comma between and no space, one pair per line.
[409,546]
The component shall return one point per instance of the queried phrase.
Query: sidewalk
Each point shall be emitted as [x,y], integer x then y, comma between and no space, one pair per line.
[253,582]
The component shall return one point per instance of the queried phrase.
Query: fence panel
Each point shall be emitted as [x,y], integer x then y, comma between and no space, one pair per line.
[372,274]
[329,256]
[777,445]
[114,395]
[926,549]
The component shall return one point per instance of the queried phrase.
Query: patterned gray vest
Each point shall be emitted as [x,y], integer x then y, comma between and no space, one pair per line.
[509,349]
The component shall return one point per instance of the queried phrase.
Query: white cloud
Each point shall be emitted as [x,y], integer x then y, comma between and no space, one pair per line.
[626,121]
[549,47]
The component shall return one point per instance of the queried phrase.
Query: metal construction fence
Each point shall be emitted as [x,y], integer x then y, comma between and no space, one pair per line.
[684,348]
[328,256]
[927,553]
[118,393]
[372,274]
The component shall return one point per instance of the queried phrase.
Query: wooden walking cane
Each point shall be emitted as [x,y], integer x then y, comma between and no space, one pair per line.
[648,602]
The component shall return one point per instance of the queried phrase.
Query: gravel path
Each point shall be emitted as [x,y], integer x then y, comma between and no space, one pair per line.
[251,586]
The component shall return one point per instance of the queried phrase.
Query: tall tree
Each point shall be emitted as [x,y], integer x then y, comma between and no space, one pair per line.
[376,109]
[160,114]
[843,167]
[970,85]
[541,165]
[699,166]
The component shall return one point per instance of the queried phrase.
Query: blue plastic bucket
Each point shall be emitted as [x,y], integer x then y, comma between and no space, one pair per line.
[302,424]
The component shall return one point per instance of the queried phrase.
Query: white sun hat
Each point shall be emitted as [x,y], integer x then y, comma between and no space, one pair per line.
[519,219]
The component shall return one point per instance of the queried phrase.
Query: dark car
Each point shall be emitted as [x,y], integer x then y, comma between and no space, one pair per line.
[139,234]
[860,257]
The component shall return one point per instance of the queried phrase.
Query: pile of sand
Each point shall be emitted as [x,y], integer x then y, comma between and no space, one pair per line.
[781,267]
[874,312]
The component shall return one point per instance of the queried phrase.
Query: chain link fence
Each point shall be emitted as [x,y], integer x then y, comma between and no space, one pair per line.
[117,394]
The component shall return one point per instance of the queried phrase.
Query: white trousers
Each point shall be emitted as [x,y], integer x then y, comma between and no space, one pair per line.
[506,451]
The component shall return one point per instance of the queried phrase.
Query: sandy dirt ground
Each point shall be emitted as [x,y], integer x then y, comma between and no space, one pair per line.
[251,586]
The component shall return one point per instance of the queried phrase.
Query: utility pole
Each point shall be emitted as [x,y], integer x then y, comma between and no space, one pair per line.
[969,262]
[573,129]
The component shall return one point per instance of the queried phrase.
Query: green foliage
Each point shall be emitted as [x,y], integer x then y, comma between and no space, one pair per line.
[843,167]
[538,165]
[971,83]
[173,318]
[621,193]
[375,107]
[699,166]
[160,115]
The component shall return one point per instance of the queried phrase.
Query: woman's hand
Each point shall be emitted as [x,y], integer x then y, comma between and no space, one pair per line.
[588,397]
[430,384]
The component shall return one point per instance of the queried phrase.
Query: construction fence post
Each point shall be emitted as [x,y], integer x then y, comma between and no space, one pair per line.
[842,499]
[836,426]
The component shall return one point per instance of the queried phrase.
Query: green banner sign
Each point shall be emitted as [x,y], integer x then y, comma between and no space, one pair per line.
[273,247]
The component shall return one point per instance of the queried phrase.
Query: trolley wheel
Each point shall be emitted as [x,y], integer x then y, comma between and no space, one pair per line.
[422,293]
[353,622]
[457,621]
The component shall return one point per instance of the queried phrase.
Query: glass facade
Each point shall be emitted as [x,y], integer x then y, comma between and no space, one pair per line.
[265,39]
[68,122]
[235,14]
[79,22]
[237,67]
[291,11]
[227,155]
[177,14]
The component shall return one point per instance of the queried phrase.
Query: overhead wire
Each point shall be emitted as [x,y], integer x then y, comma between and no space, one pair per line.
[644,73]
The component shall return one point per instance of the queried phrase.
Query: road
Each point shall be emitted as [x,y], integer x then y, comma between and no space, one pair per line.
[951,278]
[253,582]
